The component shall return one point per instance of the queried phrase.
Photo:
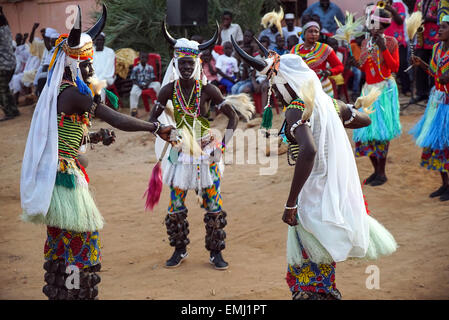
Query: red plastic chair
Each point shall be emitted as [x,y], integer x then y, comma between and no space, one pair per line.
[257,97]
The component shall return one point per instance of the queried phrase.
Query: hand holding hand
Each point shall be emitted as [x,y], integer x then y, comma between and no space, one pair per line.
[164,132]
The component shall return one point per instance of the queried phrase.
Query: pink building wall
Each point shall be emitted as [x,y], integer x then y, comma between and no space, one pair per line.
[49,13]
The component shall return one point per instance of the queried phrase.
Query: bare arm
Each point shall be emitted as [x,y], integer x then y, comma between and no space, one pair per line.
[162,98]
[304,163]
[217,99]
[359,119]
[35,26]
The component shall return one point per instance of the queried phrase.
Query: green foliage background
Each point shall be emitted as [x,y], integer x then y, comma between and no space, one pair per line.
[136,24]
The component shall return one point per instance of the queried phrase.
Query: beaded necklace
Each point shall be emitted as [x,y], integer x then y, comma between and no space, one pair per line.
[192,109]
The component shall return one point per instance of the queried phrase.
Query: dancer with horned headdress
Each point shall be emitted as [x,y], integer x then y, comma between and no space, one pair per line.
[183,102]
[54,184]
[325,208]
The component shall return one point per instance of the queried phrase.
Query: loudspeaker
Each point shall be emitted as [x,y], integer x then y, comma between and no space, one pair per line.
[187,12]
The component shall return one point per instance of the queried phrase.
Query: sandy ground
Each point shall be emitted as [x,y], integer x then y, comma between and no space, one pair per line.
[135,245]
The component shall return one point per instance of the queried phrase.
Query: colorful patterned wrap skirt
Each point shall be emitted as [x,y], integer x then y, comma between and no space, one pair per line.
[432,132]
[211,196]
[385,123]
[312,277]
[73,219]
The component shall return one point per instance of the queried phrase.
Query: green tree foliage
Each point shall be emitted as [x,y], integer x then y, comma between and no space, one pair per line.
[136,24]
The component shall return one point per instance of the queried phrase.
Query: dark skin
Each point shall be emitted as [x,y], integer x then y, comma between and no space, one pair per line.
[206,57]
[443,35]
[71,101]
[290,24]
[209,92]
[33,30]
[311,37]
[396,17]
[325,4]
[99,43]
[226,21]
[306,157]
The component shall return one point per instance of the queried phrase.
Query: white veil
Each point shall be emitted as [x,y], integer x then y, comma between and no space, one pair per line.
[331,204]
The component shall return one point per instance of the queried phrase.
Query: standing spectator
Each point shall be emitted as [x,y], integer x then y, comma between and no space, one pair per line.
[248,42]
[7,66]
[396,30]
[227,28]
[143,78]
[425,42]
[290,29]
[317,55]
[227,67]
[327,11]
[104,63]
[279,48]
[209,67]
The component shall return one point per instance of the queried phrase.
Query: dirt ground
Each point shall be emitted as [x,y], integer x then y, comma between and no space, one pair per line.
[135,245]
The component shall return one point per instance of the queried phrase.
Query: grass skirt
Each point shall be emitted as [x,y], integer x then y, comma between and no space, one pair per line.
[385,124]
[432,130]
[381,243]
[72,206]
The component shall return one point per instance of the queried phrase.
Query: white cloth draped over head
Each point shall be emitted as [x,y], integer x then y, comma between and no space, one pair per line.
[331,204]
[40,159]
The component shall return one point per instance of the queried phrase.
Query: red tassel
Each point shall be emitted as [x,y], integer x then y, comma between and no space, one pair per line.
[61,123]
[154,190]
[364,198]
[83,170]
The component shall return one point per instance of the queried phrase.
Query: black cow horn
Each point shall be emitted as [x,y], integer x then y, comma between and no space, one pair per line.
[168,37]
[257,64]
[75,34]
[96,29]
[261,47]
[212,41]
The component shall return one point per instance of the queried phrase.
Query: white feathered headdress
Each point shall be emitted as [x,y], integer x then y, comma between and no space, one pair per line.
[273,18]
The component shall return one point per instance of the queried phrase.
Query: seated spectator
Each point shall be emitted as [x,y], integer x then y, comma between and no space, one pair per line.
[244,83]
[227,67]
[227,28]
[265,41]
[248,42]
[271,32]
[143,77]
[290,29]
[104,62]
[279,48]
[338,78]
[209,67]
[327,11]
[292,41]
[356,46]
[50,36]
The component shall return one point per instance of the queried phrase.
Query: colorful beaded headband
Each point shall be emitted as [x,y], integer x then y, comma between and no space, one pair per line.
[186,52]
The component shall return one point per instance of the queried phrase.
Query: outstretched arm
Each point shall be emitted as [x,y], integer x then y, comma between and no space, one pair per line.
[36,24]
[304,163]
[352,118]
